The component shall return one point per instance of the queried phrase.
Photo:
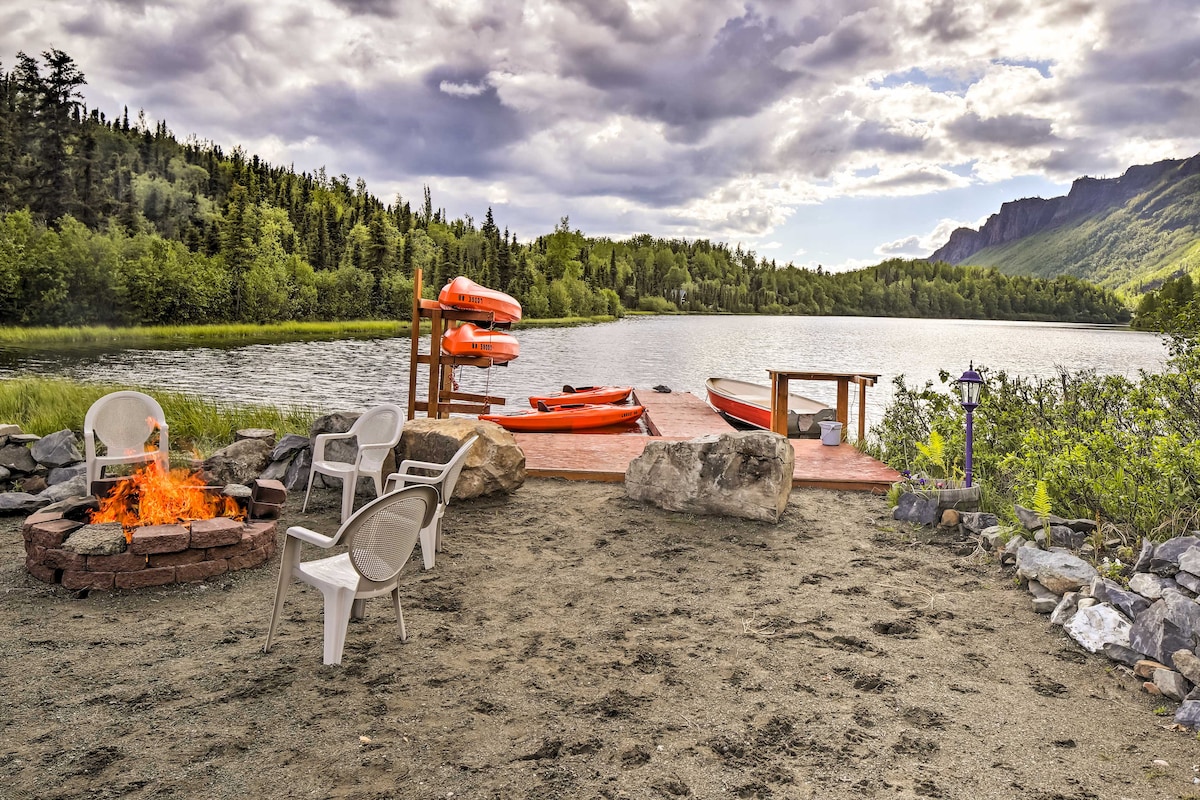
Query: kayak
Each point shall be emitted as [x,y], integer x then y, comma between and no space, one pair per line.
[572,395]
[567,418]
[466,295]
[750,403]
[471,340]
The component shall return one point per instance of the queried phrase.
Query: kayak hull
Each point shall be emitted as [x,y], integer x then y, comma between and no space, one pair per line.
[565,419]
[750,403]
[469,340]
[465,295]
[590,394]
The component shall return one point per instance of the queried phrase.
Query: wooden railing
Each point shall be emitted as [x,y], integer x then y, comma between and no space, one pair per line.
[779,392]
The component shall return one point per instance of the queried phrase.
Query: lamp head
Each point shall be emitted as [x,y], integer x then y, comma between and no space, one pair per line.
[969,385]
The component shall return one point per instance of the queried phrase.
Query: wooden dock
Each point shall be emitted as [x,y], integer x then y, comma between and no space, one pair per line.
[680,416]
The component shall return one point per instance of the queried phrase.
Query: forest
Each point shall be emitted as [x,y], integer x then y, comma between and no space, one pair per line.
[108,221]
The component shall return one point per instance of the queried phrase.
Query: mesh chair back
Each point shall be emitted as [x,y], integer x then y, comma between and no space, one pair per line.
[381,535]
[124,421]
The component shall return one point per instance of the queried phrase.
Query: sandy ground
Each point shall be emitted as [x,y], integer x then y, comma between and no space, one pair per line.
[571,643]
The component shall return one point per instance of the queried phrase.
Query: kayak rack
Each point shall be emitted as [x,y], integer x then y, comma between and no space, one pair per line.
[442,398]
[779,393]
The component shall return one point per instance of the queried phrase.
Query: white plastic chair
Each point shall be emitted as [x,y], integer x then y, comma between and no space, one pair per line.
[379,540]
[377,432]
[444,478]
[123,422]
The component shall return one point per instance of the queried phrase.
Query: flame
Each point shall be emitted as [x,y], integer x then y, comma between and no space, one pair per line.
[154,497]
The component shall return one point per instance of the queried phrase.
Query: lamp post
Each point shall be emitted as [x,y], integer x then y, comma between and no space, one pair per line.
[969,385]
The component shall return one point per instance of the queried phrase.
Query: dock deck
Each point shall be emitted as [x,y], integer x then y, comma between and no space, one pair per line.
[680,416]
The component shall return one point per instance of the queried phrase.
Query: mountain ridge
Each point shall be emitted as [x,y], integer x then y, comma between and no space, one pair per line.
[1123,233]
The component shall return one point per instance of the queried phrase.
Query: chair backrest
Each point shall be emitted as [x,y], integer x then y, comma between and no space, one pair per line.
[124,421]
[455,468]
[379,425]
[381,535]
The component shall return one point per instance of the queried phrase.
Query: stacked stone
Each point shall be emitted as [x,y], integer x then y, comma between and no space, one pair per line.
[37,471]
[1152,628]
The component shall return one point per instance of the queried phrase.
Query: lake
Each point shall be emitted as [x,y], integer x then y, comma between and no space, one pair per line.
[680,352]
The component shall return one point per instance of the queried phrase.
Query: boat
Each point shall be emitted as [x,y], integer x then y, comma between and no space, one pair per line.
[573,395]
[471,340]
[582,417]
[750,403]
[464,294]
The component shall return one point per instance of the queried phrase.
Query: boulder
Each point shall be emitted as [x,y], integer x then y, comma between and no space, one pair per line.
[1149,585]
[1057,571]
[1096,625]
[64,474]
[1188,714]
[1188,665]
[288,446]
[918,508]
[337,449]
[979,521]
[1065,536]
[296,475]
[1044,600]
[56,450]
[746,474]
[1032,521]
[75,487]
[16,458]
[1165,559]
[21,502]
[240,462]
[495,464]
[1169,625]
[1128,603]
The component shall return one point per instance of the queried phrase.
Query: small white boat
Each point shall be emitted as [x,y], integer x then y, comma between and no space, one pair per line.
[750,403]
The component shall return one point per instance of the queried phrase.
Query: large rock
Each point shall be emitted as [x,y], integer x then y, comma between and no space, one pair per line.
[1057,571]
[75,487]
[21,502]
[240,462]
[288,446]
[1165,559]
[1170,624]
[918,508]
[1032,522]
[1095,626]
[746,474]
[56,450]
[1128,603]
[16,457]
[495,464]
[337,449]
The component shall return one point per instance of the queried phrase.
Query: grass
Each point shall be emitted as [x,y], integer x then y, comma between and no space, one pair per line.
[282,330]
[45,405]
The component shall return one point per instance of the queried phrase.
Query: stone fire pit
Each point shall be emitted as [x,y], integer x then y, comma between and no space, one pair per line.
[83,556]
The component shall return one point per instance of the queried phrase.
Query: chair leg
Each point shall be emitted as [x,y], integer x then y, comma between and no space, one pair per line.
[287,563]
[312,471]
[338,604]
[358,609]
[399,615]
[349,484]
[428,545]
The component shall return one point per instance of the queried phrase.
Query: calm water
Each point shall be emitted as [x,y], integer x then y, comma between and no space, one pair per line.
[679,352]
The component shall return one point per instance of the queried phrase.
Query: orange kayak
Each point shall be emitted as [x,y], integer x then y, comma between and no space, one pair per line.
[567,418]
[467,295]
[573,395]
[470,340]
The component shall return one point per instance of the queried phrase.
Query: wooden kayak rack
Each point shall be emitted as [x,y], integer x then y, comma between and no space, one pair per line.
[779,394]
[442,398]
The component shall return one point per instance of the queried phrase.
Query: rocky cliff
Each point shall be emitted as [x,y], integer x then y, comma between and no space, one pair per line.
[1088,196]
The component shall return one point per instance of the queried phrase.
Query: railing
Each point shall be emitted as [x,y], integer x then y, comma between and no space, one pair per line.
[779,394]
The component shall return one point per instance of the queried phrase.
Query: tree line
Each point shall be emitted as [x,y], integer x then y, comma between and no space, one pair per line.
[112,221]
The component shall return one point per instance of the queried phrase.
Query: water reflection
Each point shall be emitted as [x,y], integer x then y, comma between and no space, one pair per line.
[679,352]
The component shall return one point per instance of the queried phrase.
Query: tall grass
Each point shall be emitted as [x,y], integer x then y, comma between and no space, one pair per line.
[46,405]
[282,330]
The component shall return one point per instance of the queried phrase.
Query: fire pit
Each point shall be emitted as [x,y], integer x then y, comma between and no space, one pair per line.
[153,529]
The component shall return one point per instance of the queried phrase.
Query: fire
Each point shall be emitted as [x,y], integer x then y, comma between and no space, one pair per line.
[154,497]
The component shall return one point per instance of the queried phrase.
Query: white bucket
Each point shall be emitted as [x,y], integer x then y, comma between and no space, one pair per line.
[831,433]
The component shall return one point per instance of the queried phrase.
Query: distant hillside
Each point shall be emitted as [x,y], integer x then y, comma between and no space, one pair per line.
[1128,234]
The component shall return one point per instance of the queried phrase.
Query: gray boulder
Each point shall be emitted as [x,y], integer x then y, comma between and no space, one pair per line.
[16,458]
[21,502]
[1170,624]
[920,509]
[296,475]
[337,449]
[1096,625]
[64,474]
[288,446]
[1188,714]
[1165,558]
[978,521]
[1128,603]
[1057,571]
[1064,536]
[240,462]
[746,474]
[75,487]
[1032,521]
[56,450]
[1149,585]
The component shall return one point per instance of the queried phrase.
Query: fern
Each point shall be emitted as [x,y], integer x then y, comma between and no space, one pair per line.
[935,454]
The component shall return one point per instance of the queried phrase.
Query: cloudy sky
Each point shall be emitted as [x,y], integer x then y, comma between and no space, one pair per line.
[833,132]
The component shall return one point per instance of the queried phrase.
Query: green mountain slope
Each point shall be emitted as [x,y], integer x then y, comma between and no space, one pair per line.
[1127,234]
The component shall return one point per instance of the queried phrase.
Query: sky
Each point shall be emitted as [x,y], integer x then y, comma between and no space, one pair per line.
[826,132]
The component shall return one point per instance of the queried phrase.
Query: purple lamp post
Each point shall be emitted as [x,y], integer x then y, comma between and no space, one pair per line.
[969,384]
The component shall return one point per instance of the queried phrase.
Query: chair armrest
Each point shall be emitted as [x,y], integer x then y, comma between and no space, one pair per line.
[403,480]
[409,463]
[311,536]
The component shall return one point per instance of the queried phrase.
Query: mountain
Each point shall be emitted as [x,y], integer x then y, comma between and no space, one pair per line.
[1128,234]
